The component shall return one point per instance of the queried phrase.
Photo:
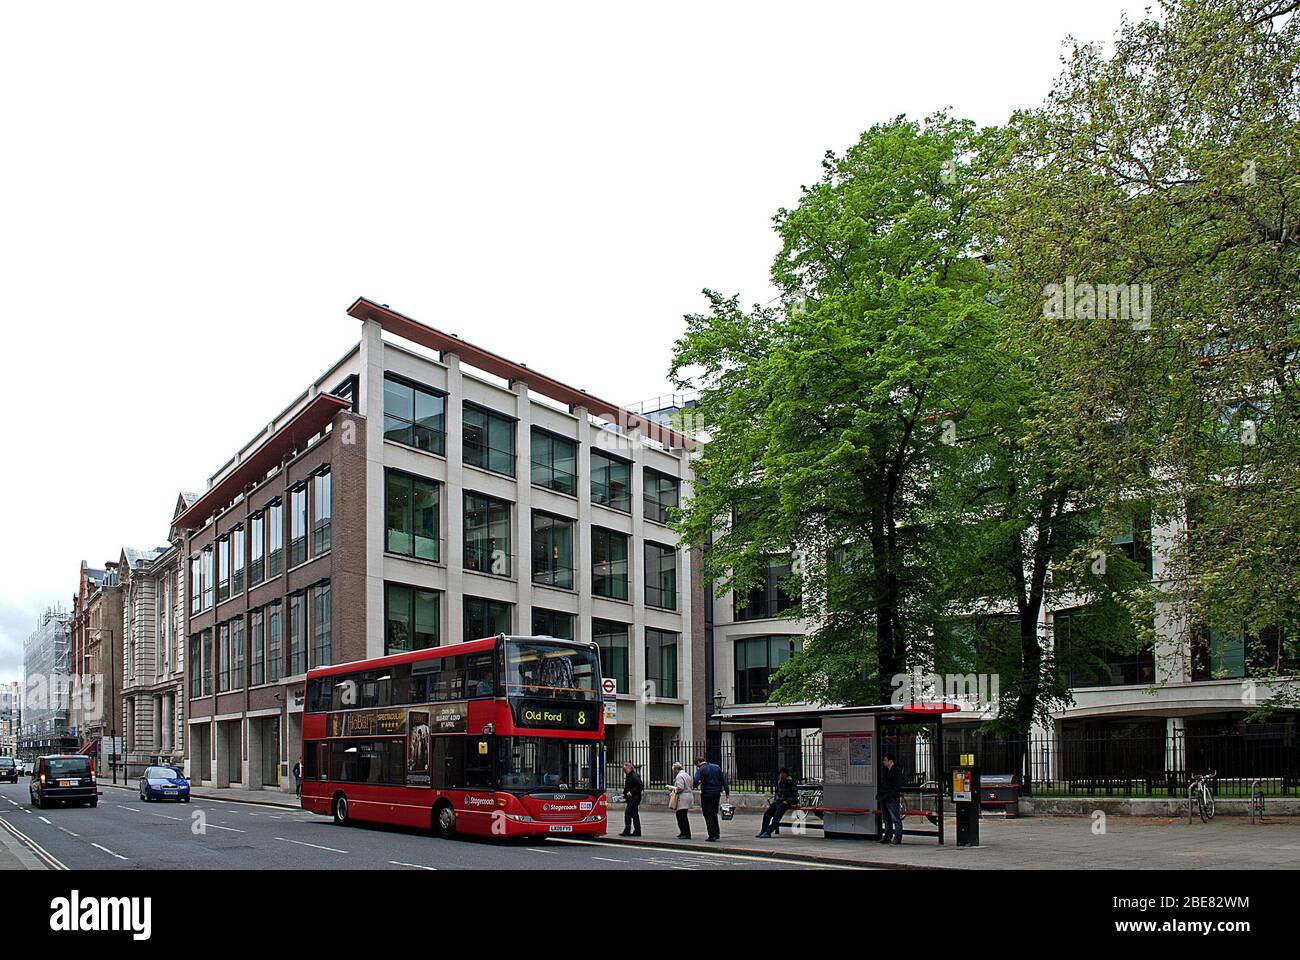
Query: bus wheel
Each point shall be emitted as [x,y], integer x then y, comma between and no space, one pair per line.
[340,810]
[444,820]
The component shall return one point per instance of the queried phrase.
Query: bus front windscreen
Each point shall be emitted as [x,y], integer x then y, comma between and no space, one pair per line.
[551,671]
[540,763]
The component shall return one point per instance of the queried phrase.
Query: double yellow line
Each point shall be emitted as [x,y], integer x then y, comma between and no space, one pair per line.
[49,859]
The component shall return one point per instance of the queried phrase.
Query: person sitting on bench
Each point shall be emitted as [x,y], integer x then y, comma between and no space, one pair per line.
[787,795]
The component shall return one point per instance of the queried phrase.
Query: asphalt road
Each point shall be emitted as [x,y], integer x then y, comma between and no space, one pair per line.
[123,833]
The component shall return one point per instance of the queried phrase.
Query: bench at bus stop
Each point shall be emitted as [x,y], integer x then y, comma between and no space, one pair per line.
[818,809]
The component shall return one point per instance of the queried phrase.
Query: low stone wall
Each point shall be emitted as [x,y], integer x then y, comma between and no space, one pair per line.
[1148,806]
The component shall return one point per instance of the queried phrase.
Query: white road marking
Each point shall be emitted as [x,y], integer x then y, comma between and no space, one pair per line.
[418,866]
[108,851]
[611,860]
[217,826]
[43,819]
[303,843]
[728,856]
[70,833]
[163,816]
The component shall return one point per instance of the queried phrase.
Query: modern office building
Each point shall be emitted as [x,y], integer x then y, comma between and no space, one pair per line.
[1172,699]
[46,682]
[425,491]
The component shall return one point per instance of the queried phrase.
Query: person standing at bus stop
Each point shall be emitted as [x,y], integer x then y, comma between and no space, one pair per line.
[712,781]
[681,801]
[890,797]
[297,778]
[632,788]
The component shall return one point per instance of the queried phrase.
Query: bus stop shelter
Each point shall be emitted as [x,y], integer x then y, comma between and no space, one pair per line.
[853,742]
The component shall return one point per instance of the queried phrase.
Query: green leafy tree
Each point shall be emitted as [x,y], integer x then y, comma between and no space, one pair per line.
[830,415]
[1167,171]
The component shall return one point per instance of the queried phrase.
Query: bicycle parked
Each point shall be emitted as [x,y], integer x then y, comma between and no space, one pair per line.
[1200,793]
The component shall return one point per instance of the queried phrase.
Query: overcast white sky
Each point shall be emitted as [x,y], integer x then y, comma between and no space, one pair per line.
[190,197]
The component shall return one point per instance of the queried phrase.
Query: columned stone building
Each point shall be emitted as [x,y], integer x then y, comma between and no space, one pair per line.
[153,669]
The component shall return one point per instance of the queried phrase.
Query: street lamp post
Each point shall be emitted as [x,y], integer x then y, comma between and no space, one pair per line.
[718,701]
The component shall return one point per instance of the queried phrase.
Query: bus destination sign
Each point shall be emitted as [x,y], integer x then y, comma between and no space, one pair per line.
[543,713]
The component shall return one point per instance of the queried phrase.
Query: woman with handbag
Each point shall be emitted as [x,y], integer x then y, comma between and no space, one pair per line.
[679,799]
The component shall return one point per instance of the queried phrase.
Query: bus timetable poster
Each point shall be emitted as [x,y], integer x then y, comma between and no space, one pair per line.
[848,758]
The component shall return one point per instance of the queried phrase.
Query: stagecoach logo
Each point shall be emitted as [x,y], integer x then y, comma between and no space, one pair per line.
[560,807]
[479,801]
[74,913]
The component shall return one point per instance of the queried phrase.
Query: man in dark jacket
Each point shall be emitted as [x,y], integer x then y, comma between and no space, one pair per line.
[632,788]
[787,795]
[890,797]
[712,781]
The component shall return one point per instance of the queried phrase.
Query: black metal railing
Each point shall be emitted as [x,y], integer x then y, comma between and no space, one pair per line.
[748,765]
[1110,765]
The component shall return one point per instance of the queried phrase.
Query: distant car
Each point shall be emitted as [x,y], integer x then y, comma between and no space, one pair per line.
[25,767]
[64,778]
[8,769]
[164,783]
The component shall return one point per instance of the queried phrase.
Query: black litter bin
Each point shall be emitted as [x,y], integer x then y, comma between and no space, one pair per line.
[999,794]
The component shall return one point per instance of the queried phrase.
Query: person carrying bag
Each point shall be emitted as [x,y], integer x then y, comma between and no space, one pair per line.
[679,800]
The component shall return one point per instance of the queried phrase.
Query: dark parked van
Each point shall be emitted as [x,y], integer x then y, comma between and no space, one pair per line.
[63,778]
[8,769]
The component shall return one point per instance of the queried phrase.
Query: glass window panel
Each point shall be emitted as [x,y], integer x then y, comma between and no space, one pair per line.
[397,632]
[487,535]
[426,519]
[399,400]
[322,496]
[611,637]
[552,550]
[322,622]
[609,563]
[486,618]
[400,535]
[426,619]
[552,623]
[611,481]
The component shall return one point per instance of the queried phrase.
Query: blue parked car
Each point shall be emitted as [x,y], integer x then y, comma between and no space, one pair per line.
[164,783]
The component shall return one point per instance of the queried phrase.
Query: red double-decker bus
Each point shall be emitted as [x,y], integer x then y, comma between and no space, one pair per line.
[495,737]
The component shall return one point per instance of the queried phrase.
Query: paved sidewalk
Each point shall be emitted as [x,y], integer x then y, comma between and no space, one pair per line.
[1049,843]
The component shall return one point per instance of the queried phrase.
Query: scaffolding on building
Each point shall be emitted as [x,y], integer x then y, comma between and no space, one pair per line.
[46,682]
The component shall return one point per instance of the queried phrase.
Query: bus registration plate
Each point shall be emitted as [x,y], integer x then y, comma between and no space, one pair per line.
[561,828]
